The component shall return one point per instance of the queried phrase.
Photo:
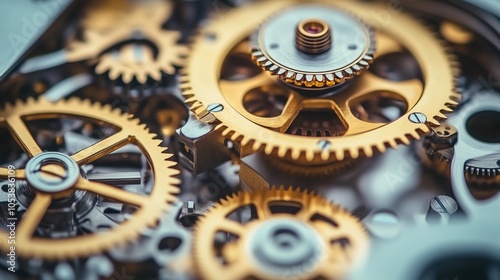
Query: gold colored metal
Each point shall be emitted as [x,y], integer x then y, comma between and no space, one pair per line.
[433,98]
[111,23]
[150,206]
[333,264]
[455,33]
[313,36]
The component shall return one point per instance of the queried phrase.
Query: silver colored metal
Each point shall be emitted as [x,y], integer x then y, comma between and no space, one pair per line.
[441,208]
[202,147]
[54,183]
[466,148]
[215,107]
[275,42]
[191,206]
[281,245]
[168,246]
[417,118]
[66,87]
[488,165]
[383,224]
[413,254]
[116,178]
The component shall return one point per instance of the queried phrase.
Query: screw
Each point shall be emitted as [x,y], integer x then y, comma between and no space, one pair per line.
[324,144]
[417,118]
[190,206]
[444,204]
[215,107]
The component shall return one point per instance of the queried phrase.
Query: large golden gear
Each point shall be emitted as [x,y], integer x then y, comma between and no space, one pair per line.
[208,95]
[149,207]
[111,23]
[329,224]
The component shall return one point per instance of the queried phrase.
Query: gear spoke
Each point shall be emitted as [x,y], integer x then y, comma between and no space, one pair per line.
[238,89]
[33,216]
[23,136]
[102,148]
[231,227]
[112,192]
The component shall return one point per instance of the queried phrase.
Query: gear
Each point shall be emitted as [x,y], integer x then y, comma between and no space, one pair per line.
[213,93]
[440,150]
[330,47]
[277,233]
[127,41]
[44,173]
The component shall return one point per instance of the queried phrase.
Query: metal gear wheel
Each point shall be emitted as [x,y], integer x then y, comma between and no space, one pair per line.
[324,54]
[45,166]
[478,120]
[109,33]
[216,94]
[276,234]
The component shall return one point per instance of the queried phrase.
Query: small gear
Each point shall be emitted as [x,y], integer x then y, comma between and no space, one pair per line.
[55,176]
[330,47]
[220,94]
[439,146]
[126,40]
[276,234]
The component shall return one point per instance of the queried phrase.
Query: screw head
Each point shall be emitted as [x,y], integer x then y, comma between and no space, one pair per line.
[215,107]
[324,144]
[444,204]
[417,117]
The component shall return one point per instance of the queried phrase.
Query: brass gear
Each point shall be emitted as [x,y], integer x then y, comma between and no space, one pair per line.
[204,89]
[331,225]
[116,24]
[150,207]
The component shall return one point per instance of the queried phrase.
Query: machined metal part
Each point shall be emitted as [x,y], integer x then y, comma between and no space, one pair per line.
[202,147]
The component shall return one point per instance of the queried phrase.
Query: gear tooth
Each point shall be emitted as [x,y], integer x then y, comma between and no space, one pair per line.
[404,140]
[308,154]
[368,151]
[282,152]
[245,141]
[325,155]
[392,143]
[281,72]
[381,147]
[340,155]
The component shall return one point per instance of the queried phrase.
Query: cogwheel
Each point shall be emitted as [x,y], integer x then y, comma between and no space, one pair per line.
[222,92]
[40,170]
[132,46]
[474,123]
[276,234]
[314,60]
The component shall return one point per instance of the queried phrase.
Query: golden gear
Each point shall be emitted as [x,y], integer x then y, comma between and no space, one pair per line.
[111,23]
[203,89]
[318,216]
[149,207]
